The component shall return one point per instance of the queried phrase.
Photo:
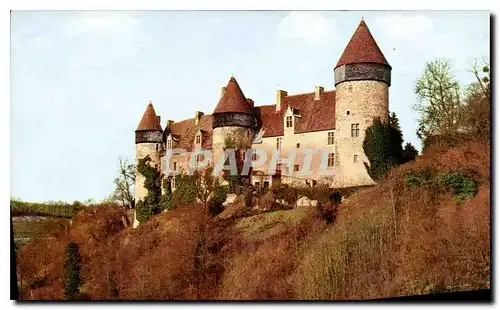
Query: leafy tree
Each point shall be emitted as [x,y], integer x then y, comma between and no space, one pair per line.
[378,149]
[72,271]
[124,184]
[383,147]
[150,205]
[439,100]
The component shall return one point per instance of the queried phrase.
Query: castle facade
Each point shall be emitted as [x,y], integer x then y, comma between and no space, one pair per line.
[332,122]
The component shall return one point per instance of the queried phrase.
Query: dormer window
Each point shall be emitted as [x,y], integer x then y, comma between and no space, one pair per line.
[288,121]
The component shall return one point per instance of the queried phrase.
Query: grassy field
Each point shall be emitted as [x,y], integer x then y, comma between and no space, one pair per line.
[33,227]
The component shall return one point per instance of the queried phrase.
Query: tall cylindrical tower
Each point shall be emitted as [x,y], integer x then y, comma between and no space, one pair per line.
[234,117]
[362,80]
[148,141]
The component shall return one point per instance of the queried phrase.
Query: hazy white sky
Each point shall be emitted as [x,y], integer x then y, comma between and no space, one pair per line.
[80,81]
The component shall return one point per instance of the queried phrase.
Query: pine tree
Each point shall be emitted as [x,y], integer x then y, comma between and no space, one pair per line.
[72,271]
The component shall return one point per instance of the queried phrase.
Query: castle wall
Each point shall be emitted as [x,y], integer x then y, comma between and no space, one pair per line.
[142,150]
[317,140]
[363,100]
[243,136]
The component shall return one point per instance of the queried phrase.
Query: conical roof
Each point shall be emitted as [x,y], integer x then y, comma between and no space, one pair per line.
[362,48]
[233,100]
[149,120]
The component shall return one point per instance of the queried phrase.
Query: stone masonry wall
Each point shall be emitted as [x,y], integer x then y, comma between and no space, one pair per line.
[142,150]
[357,103]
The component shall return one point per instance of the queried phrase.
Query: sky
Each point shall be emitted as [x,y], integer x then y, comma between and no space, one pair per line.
[81,80]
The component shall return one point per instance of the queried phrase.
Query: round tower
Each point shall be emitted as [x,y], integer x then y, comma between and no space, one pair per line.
[148,141]
[362,80]
[233,117]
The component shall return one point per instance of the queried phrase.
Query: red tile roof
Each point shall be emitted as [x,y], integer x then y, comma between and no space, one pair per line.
[233,100]
[149,120]
[315,115]
[362,48]
[186,130]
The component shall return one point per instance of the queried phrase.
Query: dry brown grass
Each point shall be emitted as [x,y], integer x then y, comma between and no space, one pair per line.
[387,240]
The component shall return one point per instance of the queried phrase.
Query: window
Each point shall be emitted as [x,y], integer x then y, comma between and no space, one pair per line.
[288,121]
[278,143]
[257,184]
[355,130]
[348,112]
[169,144]
[173,182]
[156,166]
[254,155]
[355,158]
[331,137]
[331,159]
[198,139]
[175,166]
[199,158]
[298,145]
[157,146]
[296,168]
[278,167]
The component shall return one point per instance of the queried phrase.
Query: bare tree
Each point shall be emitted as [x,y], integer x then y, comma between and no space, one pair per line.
[124,184]
[439,103]
[205,186]
[478,102]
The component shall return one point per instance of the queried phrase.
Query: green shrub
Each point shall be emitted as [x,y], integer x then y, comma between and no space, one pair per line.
[220,195]
[215,203]
[290,195]
[166,202]
[185,190]
[39,282]
[72,271]
[461,186]
[421,178]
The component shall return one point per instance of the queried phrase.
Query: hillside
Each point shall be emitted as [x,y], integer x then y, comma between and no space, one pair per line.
[404,236]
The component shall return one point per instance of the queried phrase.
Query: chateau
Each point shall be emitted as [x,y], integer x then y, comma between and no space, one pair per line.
[333,121]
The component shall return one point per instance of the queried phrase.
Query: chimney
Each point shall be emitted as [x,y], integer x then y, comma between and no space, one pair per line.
[197,116]
[318,90]
[280,94]
[250,102]
[222,91]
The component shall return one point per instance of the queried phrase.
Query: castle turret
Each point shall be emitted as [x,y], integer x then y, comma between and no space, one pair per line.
[148,141]
[362,80]
[234,117]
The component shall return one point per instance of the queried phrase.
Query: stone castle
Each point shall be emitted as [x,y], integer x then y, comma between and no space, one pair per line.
[331,120]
